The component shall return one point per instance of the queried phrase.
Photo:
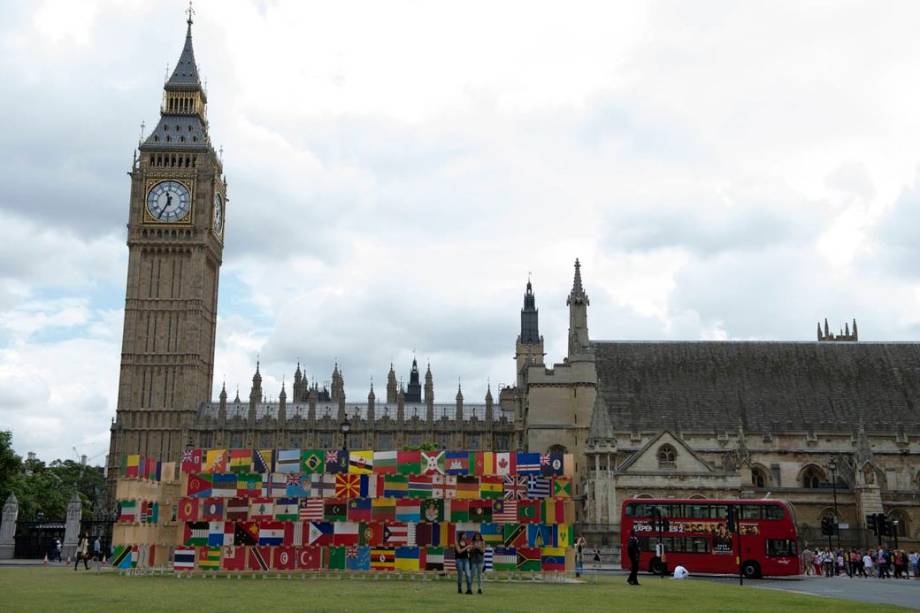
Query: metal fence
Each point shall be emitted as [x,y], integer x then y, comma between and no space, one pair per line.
[35,539]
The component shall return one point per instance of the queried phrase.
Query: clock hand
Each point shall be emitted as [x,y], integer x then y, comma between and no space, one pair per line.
[168,204]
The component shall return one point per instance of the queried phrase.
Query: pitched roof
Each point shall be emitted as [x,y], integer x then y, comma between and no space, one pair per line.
[186,72]
[702,465]
[601,431]
[764,386]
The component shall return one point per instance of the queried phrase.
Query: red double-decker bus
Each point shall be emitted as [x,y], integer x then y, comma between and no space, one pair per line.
[694,534]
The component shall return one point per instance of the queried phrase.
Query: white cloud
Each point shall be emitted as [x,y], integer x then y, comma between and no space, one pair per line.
[724,170]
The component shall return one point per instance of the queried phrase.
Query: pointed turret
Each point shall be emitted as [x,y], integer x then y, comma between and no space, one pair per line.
[222,407]
[371,405]
[600,435]
[255,392]
[237,400]
[414,391]
[578,315]
[490,414]
[183,115]
[529,345]
[282,405]
[530,328]
[429,387]
[855,331]
[338,385]
[391,385]
[459,399]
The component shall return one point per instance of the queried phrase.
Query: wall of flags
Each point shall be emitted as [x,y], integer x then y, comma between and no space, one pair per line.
[144,531]
[363,510]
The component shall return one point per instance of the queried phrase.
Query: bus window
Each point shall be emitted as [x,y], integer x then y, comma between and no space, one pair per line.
[750,511]
[697,544]
[698,511]
[774,511]
[719,511]
[781,547]
[638,509]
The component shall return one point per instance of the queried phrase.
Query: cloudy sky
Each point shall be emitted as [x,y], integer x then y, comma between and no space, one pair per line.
[724,170]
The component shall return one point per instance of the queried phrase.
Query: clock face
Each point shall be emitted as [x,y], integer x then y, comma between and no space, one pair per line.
[168,201]
[218,221]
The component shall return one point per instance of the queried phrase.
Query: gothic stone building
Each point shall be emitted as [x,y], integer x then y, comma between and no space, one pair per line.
[678,419]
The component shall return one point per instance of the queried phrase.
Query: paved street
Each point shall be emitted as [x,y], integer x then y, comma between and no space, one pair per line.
[887,591]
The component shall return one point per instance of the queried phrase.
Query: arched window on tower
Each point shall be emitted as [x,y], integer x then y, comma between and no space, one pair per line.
[560,449]
[812,478]
[667,456]
[758,477]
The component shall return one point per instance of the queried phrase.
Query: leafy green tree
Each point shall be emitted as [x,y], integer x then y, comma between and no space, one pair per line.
[43,490]
[10,465]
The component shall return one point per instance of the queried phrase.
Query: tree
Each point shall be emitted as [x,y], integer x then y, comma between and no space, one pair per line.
[44,490]
[10,465]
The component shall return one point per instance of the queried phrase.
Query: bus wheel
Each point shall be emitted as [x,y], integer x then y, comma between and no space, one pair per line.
[750,570]
[657,567]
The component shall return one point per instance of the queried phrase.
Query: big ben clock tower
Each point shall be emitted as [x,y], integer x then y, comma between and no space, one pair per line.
[175,245]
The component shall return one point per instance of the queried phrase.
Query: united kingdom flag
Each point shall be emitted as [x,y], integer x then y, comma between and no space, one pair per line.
[515,487]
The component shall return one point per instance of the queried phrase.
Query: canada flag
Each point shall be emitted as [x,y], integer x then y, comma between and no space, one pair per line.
[504,463]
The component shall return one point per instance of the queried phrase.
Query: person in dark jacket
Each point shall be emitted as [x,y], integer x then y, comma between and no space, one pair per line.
[632,550]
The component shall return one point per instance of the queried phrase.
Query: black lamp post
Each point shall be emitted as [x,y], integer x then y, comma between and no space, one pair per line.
[833,466]
[345,427]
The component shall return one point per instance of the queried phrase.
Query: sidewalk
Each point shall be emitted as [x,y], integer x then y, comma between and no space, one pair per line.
[4,563]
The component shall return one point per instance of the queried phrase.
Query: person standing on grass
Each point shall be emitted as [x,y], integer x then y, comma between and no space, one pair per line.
[97,552]
[477,560]
[580,545]
[462,554]
[82,552]
[632,550]
[597,558]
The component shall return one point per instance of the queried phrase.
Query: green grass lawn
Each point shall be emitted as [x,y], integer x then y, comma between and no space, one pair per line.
[60,589]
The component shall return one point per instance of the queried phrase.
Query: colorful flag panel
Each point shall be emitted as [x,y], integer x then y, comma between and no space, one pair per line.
[359,510]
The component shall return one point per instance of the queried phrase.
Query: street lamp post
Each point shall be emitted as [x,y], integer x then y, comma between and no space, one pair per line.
[833,466]
[345,428]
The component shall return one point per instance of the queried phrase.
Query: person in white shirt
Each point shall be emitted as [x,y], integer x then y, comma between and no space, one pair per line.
[680,572]
[867,565]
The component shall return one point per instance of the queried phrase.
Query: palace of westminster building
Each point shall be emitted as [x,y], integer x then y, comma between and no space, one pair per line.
[695,419]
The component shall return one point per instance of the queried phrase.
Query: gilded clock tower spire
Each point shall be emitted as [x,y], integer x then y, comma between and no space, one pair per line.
[175,247]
